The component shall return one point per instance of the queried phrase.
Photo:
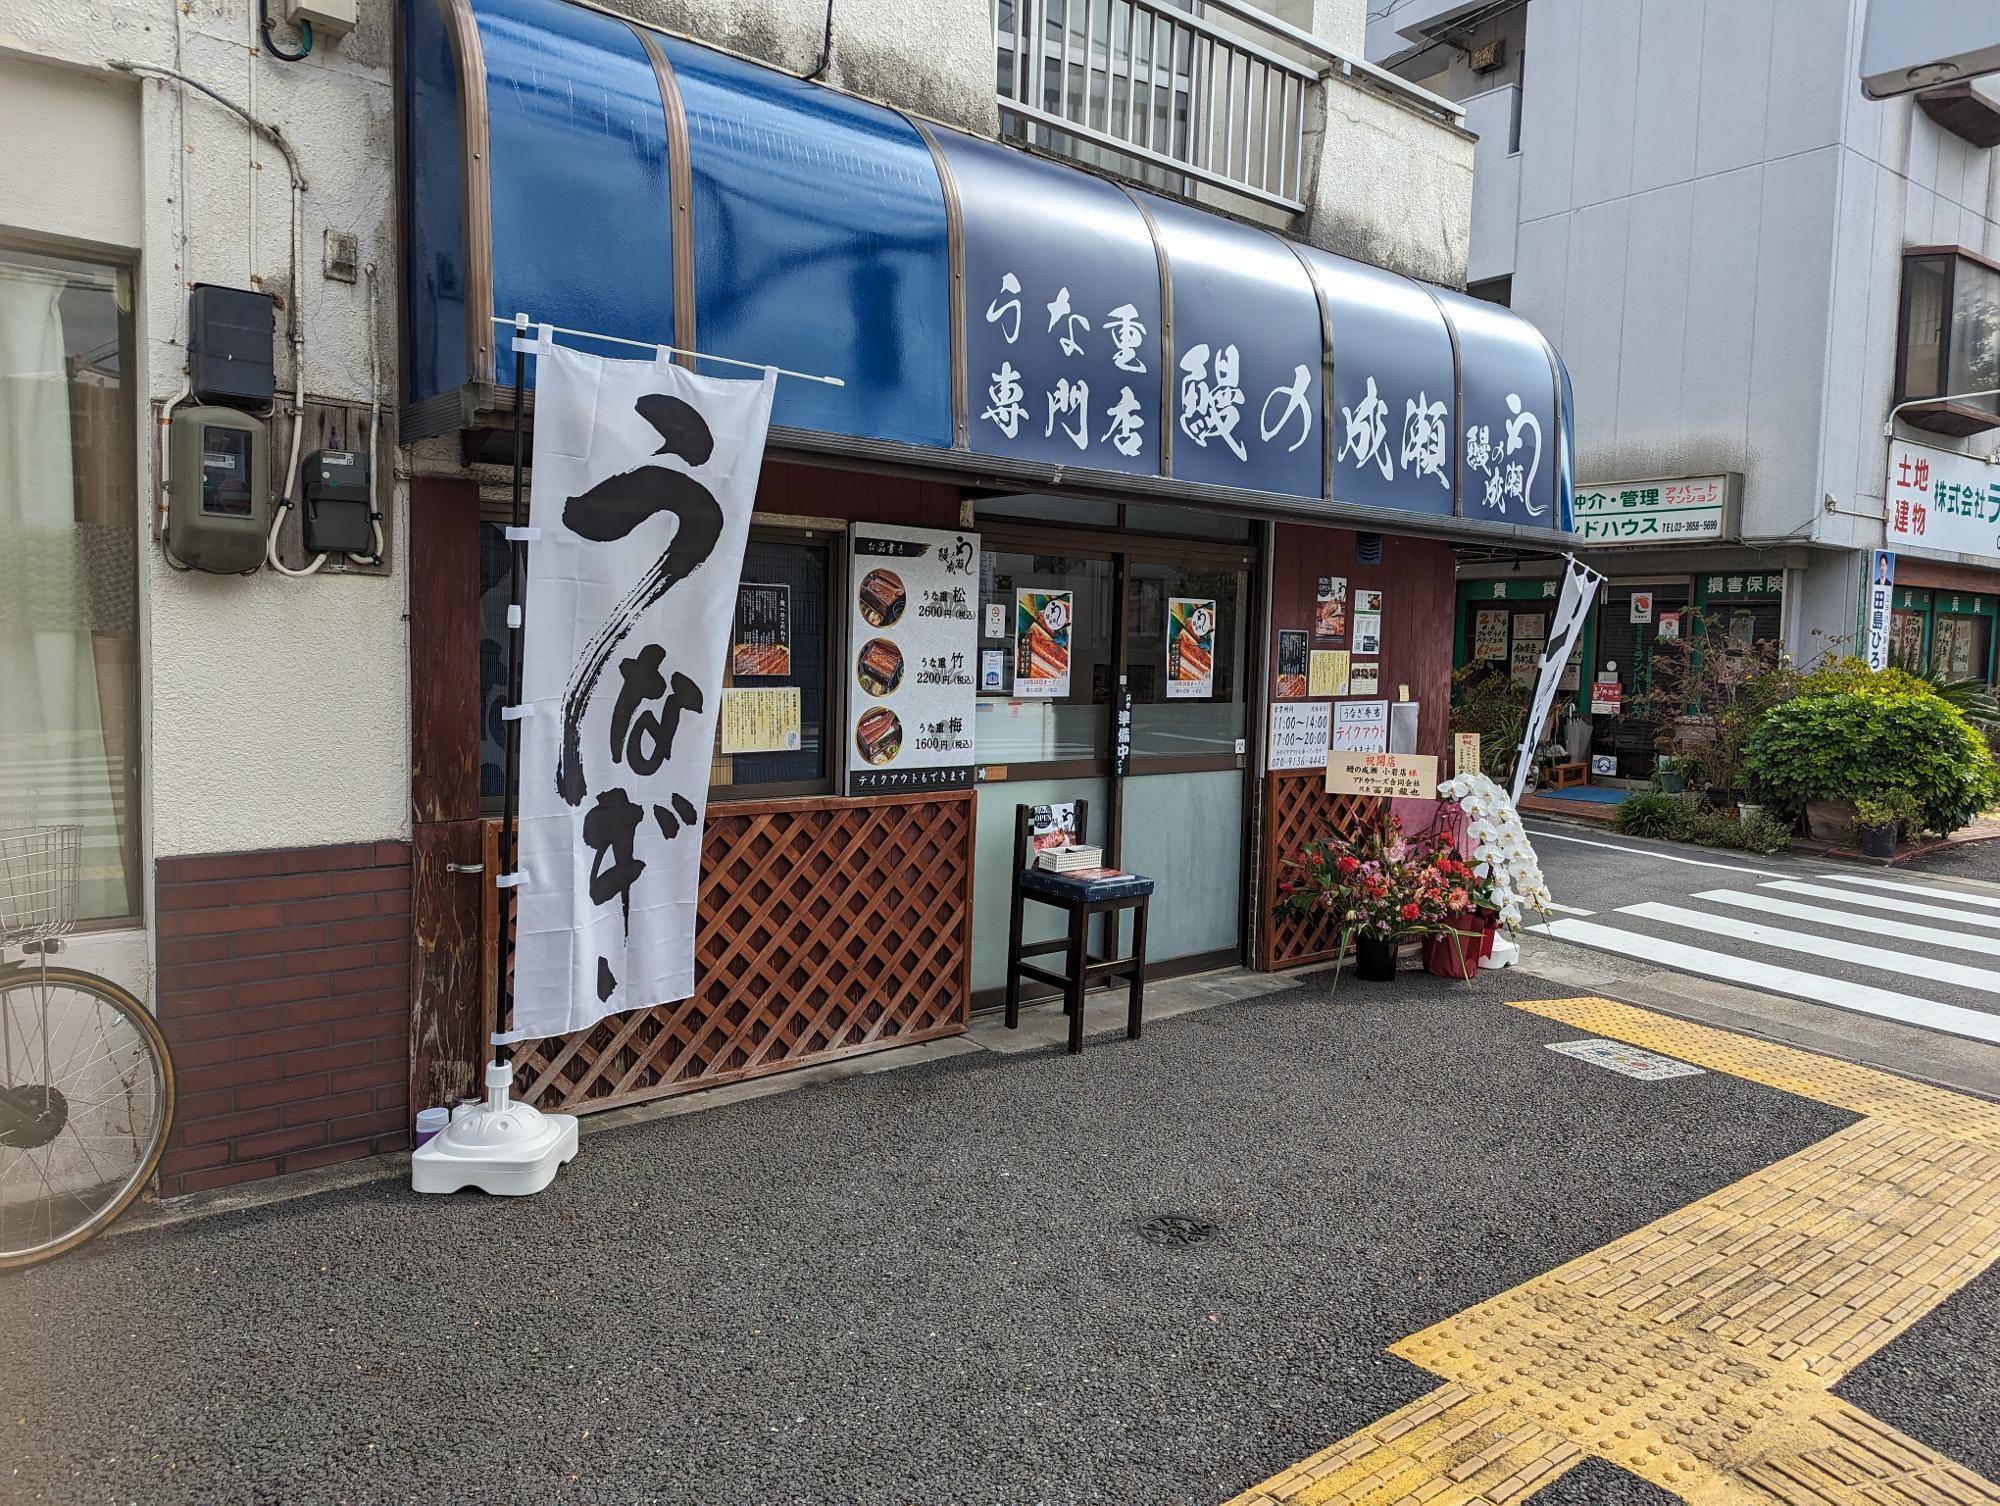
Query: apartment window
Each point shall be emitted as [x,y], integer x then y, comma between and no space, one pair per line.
[1948,343]
[69,510]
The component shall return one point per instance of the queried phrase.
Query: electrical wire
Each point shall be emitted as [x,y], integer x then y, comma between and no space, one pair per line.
[825,48]
[271,42]
[295,320]
[374,426]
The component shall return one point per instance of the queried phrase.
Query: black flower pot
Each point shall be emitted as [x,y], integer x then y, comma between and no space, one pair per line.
[1374,959]
[1878,841]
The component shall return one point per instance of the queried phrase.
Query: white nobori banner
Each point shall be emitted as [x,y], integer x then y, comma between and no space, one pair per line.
[645,476]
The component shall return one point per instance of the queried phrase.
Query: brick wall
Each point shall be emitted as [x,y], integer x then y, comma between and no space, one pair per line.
[284,992]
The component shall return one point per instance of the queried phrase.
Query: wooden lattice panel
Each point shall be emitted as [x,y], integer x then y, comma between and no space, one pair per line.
[826,927]
[1297,808]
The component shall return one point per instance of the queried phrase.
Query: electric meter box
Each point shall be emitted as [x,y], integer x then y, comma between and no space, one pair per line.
[231,338]
[219,489]
[335,518]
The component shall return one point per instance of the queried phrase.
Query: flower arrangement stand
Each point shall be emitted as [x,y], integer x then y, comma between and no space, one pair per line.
[1078,896]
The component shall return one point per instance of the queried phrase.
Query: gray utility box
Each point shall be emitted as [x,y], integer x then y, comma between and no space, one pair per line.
[219,496]
[231,337]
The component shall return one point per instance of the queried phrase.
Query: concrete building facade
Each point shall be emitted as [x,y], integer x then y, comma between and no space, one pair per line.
[1698,205]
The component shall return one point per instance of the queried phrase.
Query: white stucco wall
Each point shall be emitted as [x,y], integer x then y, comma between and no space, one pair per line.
[276,709]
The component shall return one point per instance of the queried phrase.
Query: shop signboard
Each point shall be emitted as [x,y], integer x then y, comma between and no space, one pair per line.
[914,626]
[1190,648]
[1642,606]
[1941,500]
[1361,727]
[1398,776]
[631,607]
[1689,510]
[1300,732]
[1489,633]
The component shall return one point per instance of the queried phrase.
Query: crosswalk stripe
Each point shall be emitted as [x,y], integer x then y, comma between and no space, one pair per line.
[1556,909]
[1881,1002]
[1884,902]
[1867,925]
[1915,964]
[1957,896]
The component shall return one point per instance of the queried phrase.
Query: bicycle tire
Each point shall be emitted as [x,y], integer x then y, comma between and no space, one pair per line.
[128,1004]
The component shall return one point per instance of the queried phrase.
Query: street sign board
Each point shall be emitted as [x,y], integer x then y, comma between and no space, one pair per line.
[1908,45]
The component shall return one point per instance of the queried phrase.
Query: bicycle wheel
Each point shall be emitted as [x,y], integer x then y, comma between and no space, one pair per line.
[86,1099]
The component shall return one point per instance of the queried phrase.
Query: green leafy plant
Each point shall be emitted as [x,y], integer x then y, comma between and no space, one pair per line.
[1709,827]
[1855,743]
[1485,700]
[1652,813]
[1706,694]
[1893,807]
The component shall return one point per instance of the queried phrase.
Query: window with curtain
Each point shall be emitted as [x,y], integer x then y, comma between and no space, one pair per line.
[69,512]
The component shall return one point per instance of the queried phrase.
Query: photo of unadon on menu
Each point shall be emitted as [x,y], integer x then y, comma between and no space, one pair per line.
[1093,755]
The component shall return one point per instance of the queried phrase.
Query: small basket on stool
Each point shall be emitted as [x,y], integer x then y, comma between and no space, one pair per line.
[1079,896]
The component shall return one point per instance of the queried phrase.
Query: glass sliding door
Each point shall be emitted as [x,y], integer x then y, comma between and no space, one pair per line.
[1169,622]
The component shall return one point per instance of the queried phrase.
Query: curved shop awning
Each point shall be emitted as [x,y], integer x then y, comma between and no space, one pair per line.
[990,310]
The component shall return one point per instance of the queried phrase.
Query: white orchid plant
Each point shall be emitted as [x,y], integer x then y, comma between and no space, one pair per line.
[1501,852]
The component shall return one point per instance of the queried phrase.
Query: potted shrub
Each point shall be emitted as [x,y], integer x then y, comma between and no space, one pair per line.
[1880,818]
[1827,750]
[1669,774]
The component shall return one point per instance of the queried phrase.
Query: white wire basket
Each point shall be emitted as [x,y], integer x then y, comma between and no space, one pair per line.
[38,878]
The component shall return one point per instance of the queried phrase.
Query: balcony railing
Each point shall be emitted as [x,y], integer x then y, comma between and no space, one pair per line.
[1212,91]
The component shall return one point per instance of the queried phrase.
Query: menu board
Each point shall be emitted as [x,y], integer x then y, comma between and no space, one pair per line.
[914,646]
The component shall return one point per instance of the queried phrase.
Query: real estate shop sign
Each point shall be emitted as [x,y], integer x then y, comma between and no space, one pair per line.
[1938,499]
[1687,510]
[914,595]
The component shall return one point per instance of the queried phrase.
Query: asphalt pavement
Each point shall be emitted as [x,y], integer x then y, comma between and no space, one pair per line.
[923,1286]
[1891,967]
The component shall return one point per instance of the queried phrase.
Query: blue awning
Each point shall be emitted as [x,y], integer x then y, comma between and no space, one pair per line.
[990,310]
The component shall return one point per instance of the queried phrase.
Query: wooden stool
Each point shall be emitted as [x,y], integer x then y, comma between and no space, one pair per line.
[1564,776]
[1079,898]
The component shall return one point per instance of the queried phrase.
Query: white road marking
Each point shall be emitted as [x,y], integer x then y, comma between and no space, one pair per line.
[1556,909]
[1880,1002]
[1915,964]
[1884,902]
[1933,891]
[1866,925]
[1643,852]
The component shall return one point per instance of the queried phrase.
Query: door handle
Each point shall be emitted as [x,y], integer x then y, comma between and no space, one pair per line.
[464,867]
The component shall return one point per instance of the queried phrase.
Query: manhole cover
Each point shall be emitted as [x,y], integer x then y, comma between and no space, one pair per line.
[1178,1230]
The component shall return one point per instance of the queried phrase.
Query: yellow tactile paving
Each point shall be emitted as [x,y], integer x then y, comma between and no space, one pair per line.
[1699,1351]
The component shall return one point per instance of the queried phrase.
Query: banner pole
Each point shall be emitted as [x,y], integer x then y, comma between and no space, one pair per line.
[517,549]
